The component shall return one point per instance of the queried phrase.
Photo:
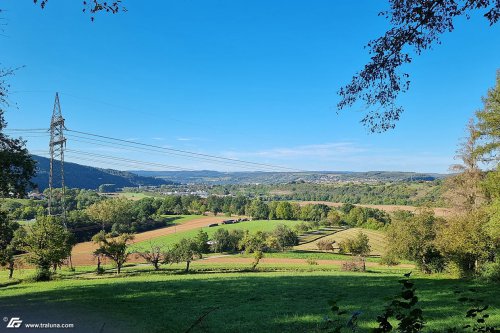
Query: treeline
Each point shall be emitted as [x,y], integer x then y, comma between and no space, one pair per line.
[397,193]
[47,245]
[187,249]
[87,211]
[467,243]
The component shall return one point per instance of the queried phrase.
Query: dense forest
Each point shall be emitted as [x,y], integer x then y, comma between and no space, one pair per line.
[81,176]
[395,193]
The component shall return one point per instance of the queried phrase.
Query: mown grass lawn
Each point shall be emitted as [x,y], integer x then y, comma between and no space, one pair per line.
[241,302]
[179,219]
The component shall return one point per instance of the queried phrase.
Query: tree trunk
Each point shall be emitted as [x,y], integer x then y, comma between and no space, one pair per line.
[187,265]
[98,264]
[11,269]
[118,268]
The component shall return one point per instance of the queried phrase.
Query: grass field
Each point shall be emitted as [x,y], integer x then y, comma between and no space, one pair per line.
[180,219]
[377,240]
[252,226]
[314,235]
[132,195]
[283,301]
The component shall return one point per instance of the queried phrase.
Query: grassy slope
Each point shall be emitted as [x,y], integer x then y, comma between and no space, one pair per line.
[377,240]
[180,219]
[252,226]
[249,302]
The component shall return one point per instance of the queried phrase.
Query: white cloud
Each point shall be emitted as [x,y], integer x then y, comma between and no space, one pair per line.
[325,150]
[348,156]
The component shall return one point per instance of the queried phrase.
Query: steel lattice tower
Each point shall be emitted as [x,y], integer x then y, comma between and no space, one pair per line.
[57,145]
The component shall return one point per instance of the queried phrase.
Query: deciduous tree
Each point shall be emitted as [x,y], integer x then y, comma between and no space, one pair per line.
[47,244]
[488,125]
[114,248]
[186,250]
[413,238]
[153,254]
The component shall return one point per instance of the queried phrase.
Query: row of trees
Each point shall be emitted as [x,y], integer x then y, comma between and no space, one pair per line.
[404,192]
[120,215]
[47,245]
[189,249]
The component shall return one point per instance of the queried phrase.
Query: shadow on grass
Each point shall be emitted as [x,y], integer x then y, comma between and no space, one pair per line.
[248,302]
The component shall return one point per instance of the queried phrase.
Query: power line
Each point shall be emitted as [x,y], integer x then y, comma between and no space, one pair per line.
[112,142]
[127,160]
[220,158]
[117,145]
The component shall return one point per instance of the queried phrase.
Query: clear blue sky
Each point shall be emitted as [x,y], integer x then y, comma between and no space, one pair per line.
[254,80]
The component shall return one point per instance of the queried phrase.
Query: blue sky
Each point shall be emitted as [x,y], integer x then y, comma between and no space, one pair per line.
[252,80]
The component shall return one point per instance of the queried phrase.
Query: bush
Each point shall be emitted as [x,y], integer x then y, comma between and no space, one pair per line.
[42,275]
[389,259]
[325,245]
[311,262]
[302,227]
[491,271]
[353,266]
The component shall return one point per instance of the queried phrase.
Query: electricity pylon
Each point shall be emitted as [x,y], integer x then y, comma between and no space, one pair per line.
[57,145]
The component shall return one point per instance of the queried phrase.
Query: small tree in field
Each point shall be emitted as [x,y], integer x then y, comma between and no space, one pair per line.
[153,255]
[286,237]
[47,244]
[358,246]
[114,248]
[254,243]
[202,241]
[186,251]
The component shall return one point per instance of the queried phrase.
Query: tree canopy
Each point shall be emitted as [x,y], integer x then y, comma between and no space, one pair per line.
[488,125]
[416,26]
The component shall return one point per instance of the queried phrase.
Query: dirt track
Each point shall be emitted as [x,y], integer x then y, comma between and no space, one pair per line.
[238,260]
[82,252]
[442,212]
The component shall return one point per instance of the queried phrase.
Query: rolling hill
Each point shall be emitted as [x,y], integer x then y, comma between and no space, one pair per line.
[258,177]
[82,176]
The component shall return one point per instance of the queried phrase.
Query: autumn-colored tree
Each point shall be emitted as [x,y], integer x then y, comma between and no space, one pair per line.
[463,190]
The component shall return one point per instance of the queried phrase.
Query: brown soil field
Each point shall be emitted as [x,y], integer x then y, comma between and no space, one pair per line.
[439,211]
